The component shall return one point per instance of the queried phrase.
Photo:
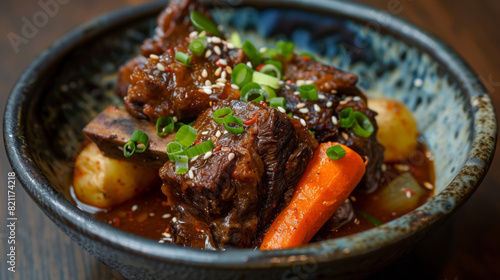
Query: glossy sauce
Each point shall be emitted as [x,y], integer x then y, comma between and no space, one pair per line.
[149,215]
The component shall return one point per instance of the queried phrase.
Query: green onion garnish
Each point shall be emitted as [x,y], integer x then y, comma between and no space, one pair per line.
[235,39]
[311,132]
[278,102]
[370,218]
[275,63]
[346,117]
[335,152]
[270,93]
[201,22]
[200,149]
[138,143]
[241,75]
[269,53]
[252,92]
[264,79]
[308,92]
[362,125]
[174,151]
[182,165]
[306,54]
[183,58]
[237,124]
[198,45]
[185,136]
[252,53]
[285,48]
[164,125]
[219,115]
[271,68]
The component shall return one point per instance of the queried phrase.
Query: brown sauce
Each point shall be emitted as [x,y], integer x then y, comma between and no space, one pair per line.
[149,215]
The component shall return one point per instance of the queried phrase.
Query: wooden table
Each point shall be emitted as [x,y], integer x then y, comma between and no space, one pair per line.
[466,246]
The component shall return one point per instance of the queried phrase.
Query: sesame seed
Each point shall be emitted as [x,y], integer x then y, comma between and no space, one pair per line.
[223,74]
[229,70]
[281,82]
[191,174]
[222,80]
[204,133]
[193,34]
[209,39]
[317,108]
[160,67]
[208,53]
[229,45]
[151,214]
[329,104]
[154,56]
[216,40]
[166,234]
[303,122]
[208,83]
[225,132]
[134,207]
[204,73]
[304,110]
[221,84]
[321,96]
[230,156]
[207,90]
[222,61]
[309,82]
[343,102]
[301,105]
[207,155]
[402,167]
[194,158]
[235,86]
[174,219]
[346,251]
[263,49]
[300,82]
[218,71]
[202,34]
[166,216]
[418,82]
[281,109]
[356,98]
[287,87]
[225,149]
[175,119]
[345,135]
[218,134]
[217,50]
[334,120]
[141,146]
[428,186]
[383,167]
[333,91]
[249,64]
[296,93]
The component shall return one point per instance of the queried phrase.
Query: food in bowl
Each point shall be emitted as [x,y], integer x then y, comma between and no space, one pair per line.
[254,148]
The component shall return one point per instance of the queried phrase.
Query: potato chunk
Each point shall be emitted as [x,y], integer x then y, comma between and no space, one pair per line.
[104,182]
[397,129]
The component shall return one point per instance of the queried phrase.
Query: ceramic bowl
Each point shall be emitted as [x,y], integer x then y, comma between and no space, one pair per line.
[75,79]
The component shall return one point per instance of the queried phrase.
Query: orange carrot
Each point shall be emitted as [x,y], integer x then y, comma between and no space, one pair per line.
[325,185]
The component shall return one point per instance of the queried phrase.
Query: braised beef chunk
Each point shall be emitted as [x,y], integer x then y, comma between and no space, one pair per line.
[236,189]
[167,87]
[125,72]
[322,118]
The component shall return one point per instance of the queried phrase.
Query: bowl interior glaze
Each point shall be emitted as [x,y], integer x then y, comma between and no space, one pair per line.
[76,79]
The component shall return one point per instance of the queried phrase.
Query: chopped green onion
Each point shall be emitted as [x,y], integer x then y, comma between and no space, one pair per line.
[237,123]
[306,54]
[346,117]
[235,39]
[270,93]
[200,149]
[269,53]
[183,58]
[201,22]
[241,75]
[252,53]
[182,165]
[370,218]
[362,125]
[264,79]
[278,102]
[198,45]
[185,136]
[270,67]
[174,151]
[219,115]
[308,92]
[252,92]
[335,152]
[139,137]
[311,132]
[129,148]
[285,48]
[290,115]
[164,125]
[275,63]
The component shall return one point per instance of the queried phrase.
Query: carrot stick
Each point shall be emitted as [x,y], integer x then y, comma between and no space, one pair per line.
[325,185]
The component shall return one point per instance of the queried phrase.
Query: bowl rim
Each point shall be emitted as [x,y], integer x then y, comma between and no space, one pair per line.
[55,205]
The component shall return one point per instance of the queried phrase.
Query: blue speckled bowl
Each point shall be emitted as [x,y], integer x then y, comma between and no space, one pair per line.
[75,79]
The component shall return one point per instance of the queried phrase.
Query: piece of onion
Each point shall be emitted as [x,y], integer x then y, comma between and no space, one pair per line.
[400,196]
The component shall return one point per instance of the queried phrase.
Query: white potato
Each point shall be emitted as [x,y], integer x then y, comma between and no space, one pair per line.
[104,182]
[397,129]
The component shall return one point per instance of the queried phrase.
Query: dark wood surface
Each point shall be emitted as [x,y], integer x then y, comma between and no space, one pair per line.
[465,247]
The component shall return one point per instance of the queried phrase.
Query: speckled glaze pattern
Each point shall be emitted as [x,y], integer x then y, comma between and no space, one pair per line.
[75,79]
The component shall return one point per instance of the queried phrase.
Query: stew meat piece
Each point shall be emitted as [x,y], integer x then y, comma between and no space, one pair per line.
[240,187]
